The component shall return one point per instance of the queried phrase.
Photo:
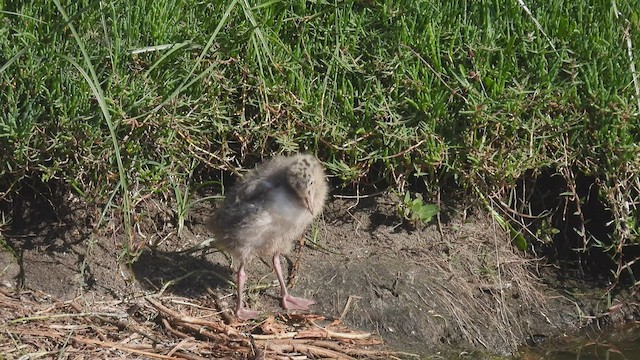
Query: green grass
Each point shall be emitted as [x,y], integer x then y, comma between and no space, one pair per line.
[122,97]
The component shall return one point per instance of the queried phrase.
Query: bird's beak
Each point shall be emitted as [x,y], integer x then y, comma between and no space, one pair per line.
[307,204]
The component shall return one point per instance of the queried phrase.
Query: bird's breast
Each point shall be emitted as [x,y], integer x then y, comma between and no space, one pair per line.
[286,205]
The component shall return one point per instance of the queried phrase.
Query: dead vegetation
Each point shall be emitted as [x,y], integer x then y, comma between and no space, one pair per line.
[456,285]
[37,326]
[486,284]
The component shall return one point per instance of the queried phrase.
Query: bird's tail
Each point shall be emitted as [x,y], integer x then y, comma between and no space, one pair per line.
[211,225]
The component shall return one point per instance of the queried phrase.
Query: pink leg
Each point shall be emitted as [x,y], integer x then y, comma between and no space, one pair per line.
[241,312]
[289,302]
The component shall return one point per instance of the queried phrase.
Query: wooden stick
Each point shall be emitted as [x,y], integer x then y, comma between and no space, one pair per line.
[308,349]
[113,345]
[215,326]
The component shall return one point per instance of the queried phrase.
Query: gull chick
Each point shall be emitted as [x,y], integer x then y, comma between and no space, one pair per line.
[263,215]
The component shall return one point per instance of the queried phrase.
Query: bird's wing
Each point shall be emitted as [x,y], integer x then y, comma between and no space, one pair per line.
[254,188]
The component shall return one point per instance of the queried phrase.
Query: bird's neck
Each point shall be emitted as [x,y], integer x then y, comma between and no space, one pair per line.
[286,203]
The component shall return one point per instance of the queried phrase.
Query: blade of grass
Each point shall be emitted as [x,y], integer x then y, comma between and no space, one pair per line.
[153,48]
[185,82]
[94,84]
[11,61]
[535,21]
[632,64]
[20,15]
[257,33]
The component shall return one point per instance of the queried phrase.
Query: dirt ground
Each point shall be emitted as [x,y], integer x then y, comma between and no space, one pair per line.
[454,286]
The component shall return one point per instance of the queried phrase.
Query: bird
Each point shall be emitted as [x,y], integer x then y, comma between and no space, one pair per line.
[264,213]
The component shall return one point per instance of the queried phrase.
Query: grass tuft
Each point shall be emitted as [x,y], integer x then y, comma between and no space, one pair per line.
[473,95]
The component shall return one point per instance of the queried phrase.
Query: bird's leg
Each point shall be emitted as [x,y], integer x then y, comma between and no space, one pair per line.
[241,312]
[289,302]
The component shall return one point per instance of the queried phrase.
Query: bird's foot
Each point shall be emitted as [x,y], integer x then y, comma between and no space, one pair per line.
[247,314]
[295,303]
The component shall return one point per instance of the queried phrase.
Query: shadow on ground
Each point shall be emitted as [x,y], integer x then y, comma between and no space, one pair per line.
[181,274]
[458,284]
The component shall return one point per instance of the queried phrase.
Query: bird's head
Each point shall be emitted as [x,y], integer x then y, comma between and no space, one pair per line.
[305,177]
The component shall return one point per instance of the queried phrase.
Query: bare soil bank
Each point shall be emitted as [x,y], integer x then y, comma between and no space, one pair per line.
[451,286]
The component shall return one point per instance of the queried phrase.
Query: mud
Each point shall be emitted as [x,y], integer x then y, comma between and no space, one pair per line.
[454,285]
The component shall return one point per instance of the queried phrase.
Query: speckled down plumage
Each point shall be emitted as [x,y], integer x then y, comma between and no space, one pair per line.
[264,213]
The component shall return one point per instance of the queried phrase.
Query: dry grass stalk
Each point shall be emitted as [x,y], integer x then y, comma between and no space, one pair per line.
[36,325]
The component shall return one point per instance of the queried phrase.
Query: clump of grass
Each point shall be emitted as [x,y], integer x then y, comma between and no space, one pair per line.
[114,98]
